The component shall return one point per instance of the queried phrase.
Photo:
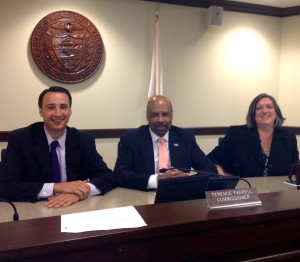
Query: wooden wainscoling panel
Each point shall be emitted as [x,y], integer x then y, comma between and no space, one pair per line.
[117,132]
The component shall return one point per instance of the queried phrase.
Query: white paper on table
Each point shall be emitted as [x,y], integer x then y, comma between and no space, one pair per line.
[122,217]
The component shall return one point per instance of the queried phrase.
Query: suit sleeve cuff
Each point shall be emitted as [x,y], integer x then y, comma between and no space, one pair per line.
[94,190]
[152,182]
[47,191]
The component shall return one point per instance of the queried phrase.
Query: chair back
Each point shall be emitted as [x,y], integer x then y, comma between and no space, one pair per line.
[2,153]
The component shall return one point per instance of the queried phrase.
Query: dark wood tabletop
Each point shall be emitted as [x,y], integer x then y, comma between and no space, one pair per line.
[177,231]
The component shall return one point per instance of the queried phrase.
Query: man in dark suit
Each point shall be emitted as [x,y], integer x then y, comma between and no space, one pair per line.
[137,165]
[25,170]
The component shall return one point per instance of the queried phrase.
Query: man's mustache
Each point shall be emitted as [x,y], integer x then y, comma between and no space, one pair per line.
[162,124]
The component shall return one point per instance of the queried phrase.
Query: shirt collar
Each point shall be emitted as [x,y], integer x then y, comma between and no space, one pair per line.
[61,140]
[155,137]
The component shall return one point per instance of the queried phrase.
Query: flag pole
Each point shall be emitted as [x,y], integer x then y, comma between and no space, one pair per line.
[157,43]
[155,86]
[157,9]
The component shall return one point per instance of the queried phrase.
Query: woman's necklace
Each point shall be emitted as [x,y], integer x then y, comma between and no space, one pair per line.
[266,146]
[266,149]
[265,142]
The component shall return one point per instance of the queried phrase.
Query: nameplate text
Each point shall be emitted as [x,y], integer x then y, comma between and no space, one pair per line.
[232,198]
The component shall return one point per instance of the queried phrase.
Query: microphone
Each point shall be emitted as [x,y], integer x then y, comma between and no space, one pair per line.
[164,170]
[16,215]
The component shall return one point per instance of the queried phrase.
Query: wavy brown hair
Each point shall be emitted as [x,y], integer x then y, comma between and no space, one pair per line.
[250,119]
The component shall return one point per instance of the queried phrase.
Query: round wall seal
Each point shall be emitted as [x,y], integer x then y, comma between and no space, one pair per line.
[67,47]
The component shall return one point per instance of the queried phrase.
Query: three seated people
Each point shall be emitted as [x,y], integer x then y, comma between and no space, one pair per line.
[72,170]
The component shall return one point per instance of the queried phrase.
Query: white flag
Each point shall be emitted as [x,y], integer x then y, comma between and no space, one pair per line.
[156,78]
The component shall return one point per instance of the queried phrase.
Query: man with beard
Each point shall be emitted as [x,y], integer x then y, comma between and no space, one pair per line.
[141,155]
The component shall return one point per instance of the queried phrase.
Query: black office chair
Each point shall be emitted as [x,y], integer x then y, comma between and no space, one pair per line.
[2,153]
[220,140]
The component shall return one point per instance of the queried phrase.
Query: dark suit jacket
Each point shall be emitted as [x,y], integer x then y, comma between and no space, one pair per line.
[26,165]
[135,162]
[240,152]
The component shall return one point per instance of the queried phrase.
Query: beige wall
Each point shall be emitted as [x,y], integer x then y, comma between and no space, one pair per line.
[289,85]
[211,74]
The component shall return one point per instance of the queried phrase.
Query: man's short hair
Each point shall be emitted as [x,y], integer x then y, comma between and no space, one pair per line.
[55,89]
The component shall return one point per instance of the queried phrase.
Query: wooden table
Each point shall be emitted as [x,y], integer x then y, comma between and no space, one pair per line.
[177,231]
[120,197]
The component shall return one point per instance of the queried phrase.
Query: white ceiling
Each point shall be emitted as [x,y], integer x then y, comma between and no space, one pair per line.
[275,3]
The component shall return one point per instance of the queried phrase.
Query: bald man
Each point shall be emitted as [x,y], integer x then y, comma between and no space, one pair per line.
[138,162]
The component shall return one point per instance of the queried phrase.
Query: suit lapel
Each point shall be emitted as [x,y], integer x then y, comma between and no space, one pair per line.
[174,149]
[254,145]
[42,151]
[72,156]
[148,153]
[276,145]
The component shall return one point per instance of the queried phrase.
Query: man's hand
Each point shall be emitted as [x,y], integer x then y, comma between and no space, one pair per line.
[62,200]
[79,188]
[221,171]
[173,173]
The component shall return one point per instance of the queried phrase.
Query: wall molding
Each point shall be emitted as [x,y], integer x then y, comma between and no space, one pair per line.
[117,132]
[237,7]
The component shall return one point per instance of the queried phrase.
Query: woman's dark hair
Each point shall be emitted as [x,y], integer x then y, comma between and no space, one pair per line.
[250,120]
[55,89]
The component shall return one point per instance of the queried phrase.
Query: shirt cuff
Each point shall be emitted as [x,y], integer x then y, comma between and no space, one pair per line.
[94,190]
[47,191]
[152,182]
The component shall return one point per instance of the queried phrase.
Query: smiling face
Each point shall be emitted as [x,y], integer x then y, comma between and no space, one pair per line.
[160,115]
[265,113]
[56,111]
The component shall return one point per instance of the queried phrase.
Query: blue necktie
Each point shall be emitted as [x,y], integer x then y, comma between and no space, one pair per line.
[56,177]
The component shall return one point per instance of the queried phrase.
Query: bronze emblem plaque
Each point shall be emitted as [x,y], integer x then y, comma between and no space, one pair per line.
[67,47]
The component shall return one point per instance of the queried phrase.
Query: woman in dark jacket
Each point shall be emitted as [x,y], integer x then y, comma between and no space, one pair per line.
[259,148]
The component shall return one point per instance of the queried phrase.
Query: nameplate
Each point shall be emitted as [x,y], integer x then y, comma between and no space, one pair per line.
[232,198]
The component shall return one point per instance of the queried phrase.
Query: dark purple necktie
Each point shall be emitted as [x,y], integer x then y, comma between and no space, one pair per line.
[56,178]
